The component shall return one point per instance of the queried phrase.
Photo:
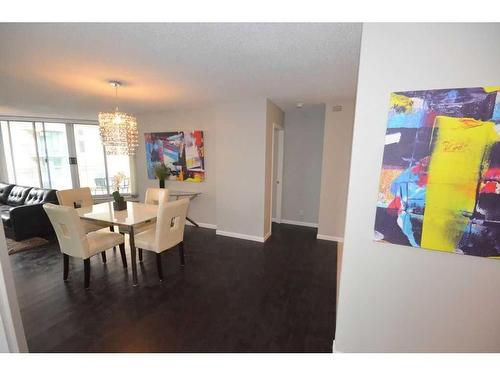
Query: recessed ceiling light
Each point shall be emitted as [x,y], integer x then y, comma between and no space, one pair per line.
[300,105]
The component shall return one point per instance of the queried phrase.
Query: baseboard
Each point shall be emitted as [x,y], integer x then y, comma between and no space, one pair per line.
[203,225]
[240,235]
[334,350]
[329,238]
[274,220]
[301,223]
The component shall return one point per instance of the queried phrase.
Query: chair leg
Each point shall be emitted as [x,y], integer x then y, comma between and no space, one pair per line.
[140,255]
[103,255]
[112,229]
[65,266]
[158,265]
[181,253]
[86,267]
[124,257]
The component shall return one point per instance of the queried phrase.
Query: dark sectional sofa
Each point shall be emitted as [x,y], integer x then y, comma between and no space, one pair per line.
[22,213]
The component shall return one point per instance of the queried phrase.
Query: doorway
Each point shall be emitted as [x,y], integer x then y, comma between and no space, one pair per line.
[277,172]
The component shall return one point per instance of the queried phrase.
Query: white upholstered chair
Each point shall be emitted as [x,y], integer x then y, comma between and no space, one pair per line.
[153,196]
[73,241]
[76,198]
[167,233]
[156,195]
[82,197]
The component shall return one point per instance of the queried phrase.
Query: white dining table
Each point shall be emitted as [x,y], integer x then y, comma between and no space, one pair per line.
[126,221]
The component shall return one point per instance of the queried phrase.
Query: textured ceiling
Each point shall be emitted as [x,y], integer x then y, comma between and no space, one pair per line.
[61,70]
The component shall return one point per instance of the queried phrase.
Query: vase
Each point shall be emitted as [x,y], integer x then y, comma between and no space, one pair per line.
[162,184]
[119,206]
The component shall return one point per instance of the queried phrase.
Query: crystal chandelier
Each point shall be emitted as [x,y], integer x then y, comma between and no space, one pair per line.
[118,130]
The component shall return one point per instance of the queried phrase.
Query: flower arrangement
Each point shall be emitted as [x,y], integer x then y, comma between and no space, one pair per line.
[162,172]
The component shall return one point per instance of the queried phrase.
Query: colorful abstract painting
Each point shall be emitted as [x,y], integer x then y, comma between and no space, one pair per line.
[440,179]
[182,151]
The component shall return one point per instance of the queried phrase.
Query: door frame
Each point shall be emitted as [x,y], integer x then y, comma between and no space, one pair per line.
[278,131]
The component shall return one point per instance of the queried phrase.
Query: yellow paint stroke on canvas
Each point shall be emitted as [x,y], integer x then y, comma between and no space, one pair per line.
[453,174]
[491,88]
[402,102]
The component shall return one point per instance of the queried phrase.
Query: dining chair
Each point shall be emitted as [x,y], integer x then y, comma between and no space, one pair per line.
[167,233]
[82,197]
[73,241]
[156,195]
[153,196]
[76,198]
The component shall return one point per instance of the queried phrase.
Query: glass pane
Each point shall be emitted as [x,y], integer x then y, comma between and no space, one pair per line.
[90,156]
[58,156]
[119,173]
[24,151]
[4,126]
[42,155]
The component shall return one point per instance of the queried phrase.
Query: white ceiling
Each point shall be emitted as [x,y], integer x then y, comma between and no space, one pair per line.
[61,70]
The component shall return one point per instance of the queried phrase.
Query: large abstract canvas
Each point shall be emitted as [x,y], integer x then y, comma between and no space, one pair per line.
[182,152]
[440,179]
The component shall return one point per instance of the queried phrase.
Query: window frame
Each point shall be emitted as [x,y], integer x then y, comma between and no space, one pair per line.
[71,145]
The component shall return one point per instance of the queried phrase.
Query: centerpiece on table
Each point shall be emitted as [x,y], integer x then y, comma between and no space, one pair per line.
[119,203]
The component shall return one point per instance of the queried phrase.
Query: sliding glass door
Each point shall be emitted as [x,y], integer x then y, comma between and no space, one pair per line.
[90,157]
[53,155]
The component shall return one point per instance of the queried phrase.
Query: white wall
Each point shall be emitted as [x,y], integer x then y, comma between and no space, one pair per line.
[240,168]
[236,193]
[12,339]
[202,208]
[396,298]
[337,139]
[274,115]
[302,163]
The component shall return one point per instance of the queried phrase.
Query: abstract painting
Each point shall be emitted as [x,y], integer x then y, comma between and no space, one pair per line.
[440,180]
[181,151]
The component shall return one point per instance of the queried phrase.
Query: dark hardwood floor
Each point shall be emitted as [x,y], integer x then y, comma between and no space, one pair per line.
[232,296]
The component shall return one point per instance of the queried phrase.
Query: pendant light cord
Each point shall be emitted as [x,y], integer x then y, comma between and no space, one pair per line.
[116,97]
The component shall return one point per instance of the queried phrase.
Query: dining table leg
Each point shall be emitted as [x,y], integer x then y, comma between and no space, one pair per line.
[133,256]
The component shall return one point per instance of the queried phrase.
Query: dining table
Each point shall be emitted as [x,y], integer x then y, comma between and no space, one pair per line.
[127,221]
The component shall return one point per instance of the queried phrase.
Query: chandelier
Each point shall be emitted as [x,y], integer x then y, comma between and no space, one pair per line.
[118,130]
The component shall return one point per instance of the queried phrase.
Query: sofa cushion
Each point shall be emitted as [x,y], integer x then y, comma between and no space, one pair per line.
[37,196]
[4,192]
[5,213]
[18,195]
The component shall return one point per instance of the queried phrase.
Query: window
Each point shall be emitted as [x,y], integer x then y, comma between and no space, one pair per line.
[119,172]
[24,153]
[37,154]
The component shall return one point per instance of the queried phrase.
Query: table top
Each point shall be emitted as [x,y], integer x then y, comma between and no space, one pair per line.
[136,213]
[178,193]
